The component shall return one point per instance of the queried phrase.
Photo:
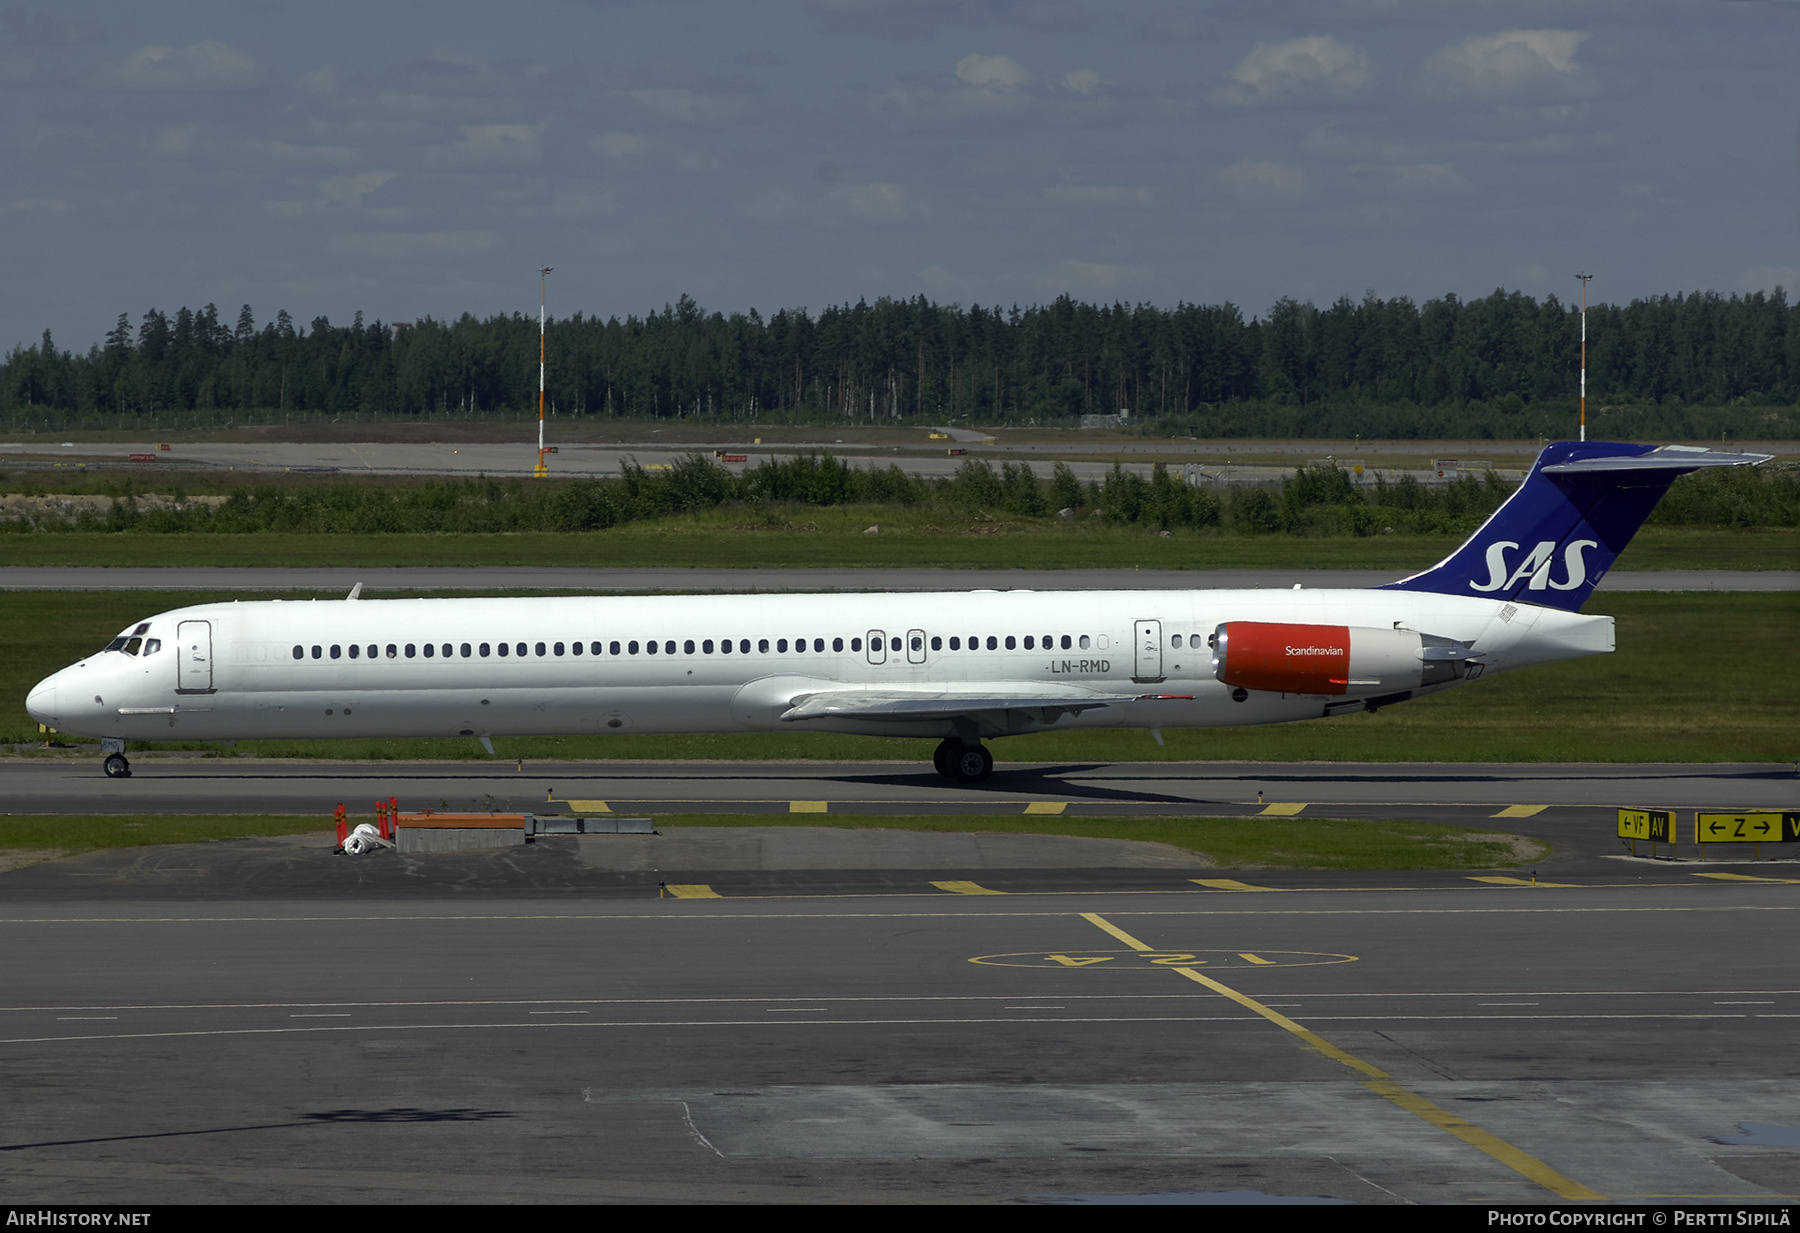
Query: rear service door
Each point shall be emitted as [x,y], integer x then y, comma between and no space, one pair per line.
[1148,666]
[193,657]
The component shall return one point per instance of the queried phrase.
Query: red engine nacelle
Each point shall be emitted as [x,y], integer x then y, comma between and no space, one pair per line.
[1334,659]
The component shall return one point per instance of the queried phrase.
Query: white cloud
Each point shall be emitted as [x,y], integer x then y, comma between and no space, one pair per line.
[504,143]
[1079,195]
[1415,179]
[875,203]
[771,207]
[1769,277]
[410,246]
[686,105]
[992,72]
[207,65]
[1276,70]
[582,205]
[1516,63]
[351,189]
[175,141]
[1265,181]
[618,144]
[1082,279]
[1082,81]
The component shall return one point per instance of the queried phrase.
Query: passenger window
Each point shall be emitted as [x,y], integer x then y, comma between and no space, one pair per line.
[504,650]
[937,643]
[540,650]
[430,649]
[612,648]
[354,650]
[1010,644]
[484,650]
[633,647]
[818,644]
[317,651]
[956,644]
[337,652]
[669,648]
[1175,642]
[448,650]
[856,644]
[557,649]
[1065,642]
[894,643]
[299,652]
[837,644]
[1084,642]
[724,646]
[1028,642]
[411,650]
[687,647]
[762,645]
[993,643]
[465,650]
[918,643]
[650,648]
[781,645]
[705,647]
[575,647]
[393,651]
[594,648]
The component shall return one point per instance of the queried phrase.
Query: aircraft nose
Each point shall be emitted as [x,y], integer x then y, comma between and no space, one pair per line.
[41,702]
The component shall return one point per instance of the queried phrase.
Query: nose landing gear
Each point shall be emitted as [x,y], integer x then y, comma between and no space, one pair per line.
[962,763]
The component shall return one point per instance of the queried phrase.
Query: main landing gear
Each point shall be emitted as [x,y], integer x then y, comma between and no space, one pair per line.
[117,767]
[962,763]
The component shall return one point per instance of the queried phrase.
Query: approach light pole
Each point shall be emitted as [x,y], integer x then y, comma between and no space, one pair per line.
[541,469]
[1585,280]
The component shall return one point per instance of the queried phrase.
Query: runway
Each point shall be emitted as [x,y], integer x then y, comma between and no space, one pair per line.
[1474,1045]
[533,578]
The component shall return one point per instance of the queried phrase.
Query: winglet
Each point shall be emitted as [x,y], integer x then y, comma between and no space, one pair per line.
[355,592]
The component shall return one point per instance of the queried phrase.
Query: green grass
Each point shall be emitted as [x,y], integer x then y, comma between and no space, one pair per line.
[1697,678]
[834,538]
[1231,843]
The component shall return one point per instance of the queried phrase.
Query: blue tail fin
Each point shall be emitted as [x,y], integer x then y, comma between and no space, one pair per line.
[1556,537]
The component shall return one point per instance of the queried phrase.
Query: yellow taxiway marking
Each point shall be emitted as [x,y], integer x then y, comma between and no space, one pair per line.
[1521,811]
[692,890]
[1256,959]
[1383,1085]
[588,806]
[1227,884]
[1282,809]
[1741,877]
[966,888]
[806,806]
[1501,880]
[1046,806]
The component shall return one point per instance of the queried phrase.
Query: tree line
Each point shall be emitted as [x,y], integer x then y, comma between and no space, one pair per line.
[1505,365]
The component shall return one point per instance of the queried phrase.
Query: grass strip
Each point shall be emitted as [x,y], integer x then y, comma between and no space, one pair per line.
[1229,843]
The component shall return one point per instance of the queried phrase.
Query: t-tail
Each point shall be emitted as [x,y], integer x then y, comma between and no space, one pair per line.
[1556,537]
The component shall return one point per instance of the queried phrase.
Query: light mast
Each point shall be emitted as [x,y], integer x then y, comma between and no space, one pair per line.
[542,470]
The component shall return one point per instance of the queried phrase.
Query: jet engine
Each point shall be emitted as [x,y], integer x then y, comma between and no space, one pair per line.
[1335,659]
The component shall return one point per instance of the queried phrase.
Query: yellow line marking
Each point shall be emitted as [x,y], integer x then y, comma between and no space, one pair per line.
[1282,809]
[693,890]
[1095,919]
[1257,959]
[1742,877]
[1046,806]
[588,806]
[1227,884]
[806,806]
[1521,811]
[966,888]
[1499,880]
[1379,1082]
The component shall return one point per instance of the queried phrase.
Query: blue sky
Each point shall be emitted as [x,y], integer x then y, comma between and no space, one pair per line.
[406,159]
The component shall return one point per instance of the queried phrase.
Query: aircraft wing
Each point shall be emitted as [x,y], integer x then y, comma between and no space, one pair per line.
[915,705]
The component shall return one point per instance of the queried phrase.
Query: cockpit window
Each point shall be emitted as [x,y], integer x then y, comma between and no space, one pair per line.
[131,647]
[117,644]
[152,645]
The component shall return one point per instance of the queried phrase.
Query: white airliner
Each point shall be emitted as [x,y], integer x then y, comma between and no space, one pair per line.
[962,666]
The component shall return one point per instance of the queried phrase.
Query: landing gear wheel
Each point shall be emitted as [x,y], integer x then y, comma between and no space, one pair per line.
[972,764]
[943,758]
[117,767]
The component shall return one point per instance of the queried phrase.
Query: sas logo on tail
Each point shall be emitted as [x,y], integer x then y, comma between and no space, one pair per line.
[1535,566]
